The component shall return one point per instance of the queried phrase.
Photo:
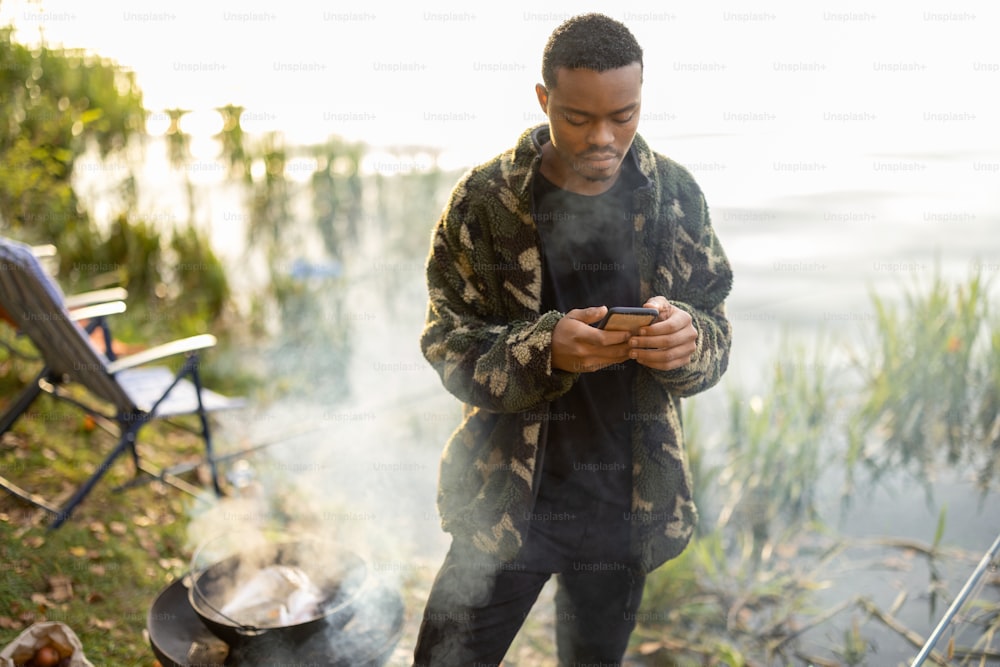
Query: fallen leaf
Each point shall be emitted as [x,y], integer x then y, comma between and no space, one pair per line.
[94,598]
[98,570]
[118,528]
[149,545]
[8,623]
[39,599]
[61,588]
[648,648]
[102,624]
[35,541]
[171,563]
[78,551]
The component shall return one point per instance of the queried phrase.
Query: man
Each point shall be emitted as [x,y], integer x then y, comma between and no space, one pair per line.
[570,458]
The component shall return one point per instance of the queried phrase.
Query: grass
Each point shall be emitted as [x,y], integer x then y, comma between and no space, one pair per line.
[116,552]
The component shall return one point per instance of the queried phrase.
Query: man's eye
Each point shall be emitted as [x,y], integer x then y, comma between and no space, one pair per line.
[573,120]
[627,119]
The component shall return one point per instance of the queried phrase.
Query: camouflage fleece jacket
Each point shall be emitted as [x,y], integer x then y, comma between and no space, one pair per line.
[490,343]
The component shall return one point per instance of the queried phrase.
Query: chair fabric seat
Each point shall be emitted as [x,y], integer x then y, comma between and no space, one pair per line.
[145,386]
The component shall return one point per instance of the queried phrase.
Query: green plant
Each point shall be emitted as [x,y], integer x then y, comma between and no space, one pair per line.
[930,383]
[57,104]
[775,451]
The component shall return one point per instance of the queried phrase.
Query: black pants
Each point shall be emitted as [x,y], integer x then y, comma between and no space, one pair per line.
[477,605]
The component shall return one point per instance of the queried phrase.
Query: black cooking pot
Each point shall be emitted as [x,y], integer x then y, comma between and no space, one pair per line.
[339,575]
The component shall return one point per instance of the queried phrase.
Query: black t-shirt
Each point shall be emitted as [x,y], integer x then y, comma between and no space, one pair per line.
[589,260]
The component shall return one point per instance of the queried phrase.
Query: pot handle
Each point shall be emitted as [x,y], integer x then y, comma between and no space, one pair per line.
[240,628]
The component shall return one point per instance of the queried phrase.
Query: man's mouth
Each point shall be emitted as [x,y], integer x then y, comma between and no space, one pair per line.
[601,160]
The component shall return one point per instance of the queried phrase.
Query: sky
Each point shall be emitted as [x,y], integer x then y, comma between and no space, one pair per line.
[460,76]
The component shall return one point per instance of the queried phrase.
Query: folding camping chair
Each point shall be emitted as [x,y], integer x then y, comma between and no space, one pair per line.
[90,308]
[137,393]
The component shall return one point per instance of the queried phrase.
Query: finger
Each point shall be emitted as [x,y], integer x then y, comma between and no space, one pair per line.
[663,337]
[588,315]
[677,320]
[664,359]
[661,304]
[686,338]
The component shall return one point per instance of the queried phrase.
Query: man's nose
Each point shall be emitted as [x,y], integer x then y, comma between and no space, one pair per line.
[601,134]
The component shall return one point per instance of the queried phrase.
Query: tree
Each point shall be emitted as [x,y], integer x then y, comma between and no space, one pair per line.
[56,104]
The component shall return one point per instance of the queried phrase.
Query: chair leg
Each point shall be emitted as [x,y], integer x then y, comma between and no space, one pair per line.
[190,368]
[209,453]
[126,440]
[21,403]
[134,418]
[17,408]
[27,496]
[206,432]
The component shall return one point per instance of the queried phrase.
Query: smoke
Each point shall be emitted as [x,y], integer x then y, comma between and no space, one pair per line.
[349,439]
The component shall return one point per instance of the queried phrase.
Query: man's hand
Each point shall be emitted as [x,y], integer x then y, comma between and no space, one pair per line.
[578,347]
[669,342]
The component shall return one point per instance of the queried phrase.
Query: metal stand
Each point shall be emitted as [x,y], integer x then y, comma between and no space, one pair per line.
[970,584]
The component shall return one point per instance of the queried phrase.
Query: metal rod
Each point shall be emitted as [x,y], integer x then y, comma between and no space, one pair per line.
[984,564]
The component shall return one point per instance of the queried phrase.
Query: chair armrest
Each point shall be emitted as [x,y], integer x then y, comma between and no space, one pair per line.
[96,296]
[44,251]
[98,310]
[181,346]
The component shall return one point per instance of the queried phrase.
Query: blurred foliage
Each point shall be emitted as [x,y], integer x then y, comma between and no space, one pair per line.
[923,397]
[270,198]
[56,106]
[233,141]
[931,384]
[337,193]
[774,456]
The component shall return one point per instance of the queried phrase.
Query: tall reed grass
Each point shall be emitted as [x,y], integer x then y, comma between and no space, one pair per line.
[921,395]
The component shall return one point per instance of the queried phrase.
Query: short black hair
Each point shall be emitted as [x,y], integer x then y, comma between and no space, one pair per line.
[589,41]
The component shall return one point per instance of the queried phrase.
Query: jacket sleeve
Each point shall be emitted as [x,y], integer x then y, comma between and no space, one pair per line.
[485,356]
[702,279]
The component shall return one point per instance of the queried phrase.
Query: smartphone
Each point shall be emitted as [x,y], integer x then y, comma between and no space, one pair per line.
[623,318]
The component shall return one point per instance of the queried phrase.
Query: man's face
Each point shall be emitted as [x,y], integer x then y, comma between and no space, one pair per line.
[593,118]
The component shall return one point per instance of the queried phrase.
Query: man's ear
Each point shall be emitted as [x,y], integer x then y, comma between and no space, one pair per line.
[543,98]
